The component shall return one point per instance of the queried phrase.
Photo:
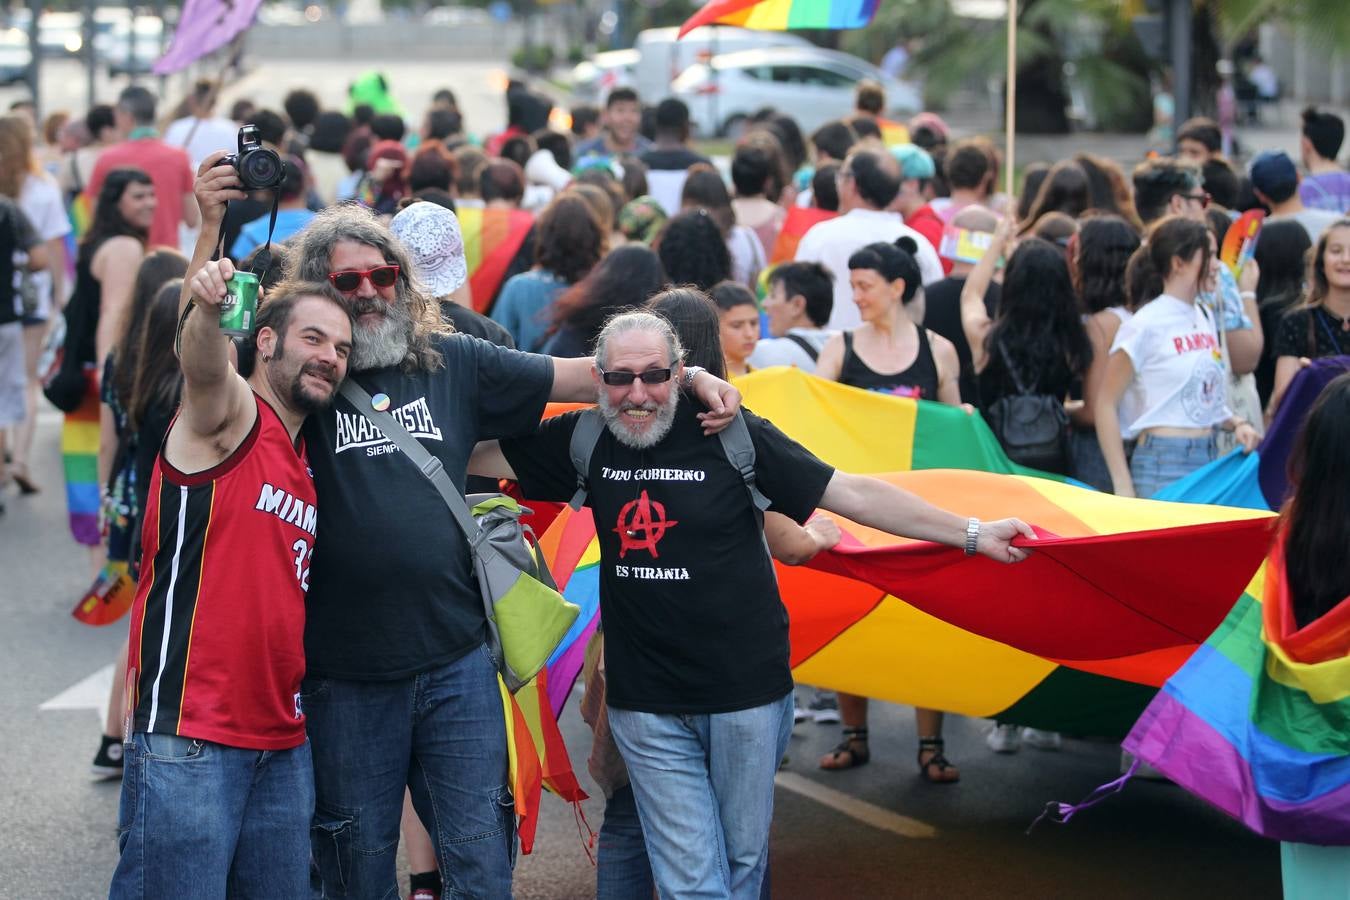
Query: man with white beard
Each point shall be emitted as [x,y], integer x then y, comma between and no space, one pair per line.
[696,637]
[400,687]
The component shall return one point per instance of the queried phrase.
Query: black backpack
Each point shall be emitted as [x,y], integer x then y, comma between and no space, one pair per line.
[1032,427]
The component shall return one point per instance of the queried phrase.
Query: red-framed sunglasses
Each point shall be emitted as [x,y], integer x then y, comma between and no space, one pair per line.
[349,280]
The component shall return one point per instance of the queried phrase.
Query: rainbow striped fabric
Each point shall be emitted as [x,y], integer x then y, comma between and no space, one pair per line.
[79,453]
[780,15]
[1258,721]
[492,237]
[1077,639]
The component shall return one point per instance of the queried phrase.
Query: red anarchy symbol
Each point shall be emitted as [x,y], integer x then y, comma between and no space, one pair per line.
[642,517]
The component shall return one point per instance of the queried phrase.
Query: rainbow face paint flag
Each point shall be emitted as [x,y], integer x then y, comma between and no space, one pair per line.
[1077,639]
[796,224]
[492,237]
[781,15]
[1257,723]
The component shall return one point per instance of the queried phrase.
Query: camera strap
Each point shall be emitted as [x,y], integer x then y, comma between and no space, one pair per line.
[263,258]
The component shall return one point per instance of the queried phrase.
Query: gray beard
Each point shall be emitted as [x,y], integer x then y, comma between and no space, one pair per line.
[383,345]
[660,427]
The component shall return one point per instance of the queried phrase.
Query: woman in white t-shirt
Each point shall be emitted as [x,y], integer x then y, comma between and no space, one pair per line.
[1168,355]
[42,291]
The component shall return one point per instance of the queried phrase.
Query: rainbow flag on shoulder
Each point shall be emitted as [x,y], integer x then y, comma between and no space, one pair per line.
[492,237]
[1257,723]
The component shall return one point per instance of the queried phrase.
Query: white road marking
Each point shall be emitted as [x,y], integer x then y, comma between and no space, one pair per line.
[88,693]
[867,813]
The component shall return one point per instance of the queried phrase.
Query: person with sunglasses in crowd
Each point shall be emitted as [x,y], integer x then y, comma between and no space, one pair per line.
[401,689]
[699,691]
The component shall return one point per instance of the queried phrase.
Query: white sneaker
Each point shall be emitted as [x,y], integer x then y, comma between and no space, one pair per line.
[1004,739]
[824,708]
[799,713]
[1042,740]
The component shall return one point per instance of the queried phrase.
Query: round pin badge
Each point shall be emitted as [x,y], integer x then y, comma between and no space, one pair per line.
[380,402]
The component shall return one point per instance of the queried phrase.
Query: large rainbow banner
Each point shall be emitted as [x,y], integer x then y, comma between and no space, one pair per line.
[1118,595]
[492,237]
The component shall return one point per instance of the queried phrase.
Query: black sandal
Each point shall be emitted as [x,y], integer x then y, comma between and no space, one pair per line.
[850,753]
[935,746]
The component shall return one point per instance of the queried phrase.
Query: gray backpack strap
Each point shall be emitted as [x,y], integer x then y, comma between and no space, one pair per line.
[584,438]
[427,464]
[740,451]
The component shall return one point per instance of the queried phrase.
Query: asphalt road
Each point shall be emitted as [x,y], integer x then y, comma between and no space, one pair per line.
[874,832]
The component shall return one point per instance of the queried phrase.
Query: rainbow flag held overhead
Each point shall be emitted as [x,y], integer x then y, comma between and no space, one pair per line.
[1257,723]
[1077,639]
[79,453]
[795,226]
[781,15]
[492,237]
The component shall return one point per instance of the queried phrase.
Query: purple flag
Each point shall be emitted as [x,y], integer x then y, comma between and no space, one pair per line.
[204,26]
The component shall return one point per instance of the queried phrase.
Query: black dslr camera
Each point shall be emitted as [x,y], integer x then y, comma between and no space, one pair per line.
[259,169]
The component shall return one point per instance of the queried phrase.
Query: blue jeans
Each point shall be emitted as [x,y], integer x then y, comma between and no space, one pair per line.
[1159,461]
[621,868]
[704,788]
[200,821]
[442,734]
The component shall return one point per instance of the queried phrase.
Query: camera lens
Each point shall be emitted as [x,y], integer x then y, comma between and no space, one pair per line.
[260,169]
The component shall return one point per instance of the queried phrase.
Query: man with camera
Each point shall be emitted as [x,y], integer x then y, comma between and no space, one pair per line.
[401,688]
[218,788]
[169,167]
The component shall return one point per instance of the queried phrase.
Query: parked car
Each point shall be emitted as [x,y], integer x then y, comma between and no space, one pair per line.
[593,78]
[116,51]
[813,84]
[14,56]
[663,55]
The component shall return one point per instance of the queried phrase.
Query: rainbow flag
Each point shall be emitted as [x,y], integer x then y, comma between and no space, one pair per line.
[79,453]
[492,237]
[1257,723]
[1117,597]
[795,226]
[781,15]
[893,134]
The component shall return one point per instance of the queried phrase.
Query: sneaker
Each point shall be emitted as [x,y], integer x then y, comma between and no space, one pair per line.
[799,713]
[1004,738]
[1042,740]
[424,894]
[108,762]
[824,707]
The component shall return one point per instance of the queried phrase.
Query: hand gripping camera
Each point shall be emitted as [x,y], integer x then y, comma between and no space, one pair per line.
[259,169]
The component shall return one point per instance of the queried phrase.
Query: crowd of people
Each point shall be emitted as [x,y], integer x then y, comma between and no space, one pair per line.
[1089,320]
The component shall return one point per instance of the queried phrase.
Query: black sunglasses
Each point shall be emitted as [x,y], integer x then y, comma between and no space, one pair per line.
[623,379]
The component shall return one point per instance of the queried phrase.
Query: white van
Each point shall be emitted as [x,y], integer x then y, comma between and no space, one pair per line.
[662,57]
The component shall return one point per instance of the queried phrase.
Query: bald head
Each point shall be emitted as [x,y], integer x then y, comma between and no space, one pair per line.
[875,176]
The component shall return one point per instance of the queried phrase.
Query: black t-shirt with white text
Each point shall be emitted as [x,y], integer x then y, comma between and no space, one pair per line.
[692,617]
[391,590]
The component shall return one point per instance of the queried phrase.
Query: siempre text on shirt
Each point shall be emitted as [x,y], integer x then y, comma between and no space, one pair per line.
[287,507]
[355,430]
[1191,343]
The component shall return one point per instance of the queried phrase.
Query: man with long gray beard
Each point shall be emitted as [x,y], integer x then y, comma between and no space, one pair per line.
[401,688]
[696,637]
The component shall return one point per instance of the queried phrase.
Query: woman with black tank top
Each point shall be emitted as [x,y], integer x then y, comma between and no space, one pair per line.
[892,354]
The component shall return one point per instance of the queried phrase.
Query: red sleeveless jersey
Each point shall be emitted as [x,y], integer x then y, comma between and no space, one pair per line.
[217,629]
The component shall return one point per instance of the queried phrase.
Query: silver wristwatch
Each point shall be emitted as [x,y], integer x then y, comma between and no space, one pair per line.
[972,535]
[690,373]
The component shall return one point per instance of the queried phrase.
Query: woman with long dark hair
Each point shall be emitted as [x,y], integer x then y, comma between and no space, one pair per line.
[1168,355]
[1320,325]
[1037,344]
[623,279]
[1282,255]
[704,189]
[693,251]
[105,276]
[1101,255]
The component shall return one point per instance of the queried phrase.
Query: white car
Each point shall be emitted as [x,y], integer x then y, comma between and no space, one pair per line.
[811,84]
[116,50]
[592,79]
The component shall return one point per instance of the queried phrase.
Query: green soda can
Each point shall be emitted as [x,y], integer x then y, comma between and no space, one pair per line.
[240,306]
